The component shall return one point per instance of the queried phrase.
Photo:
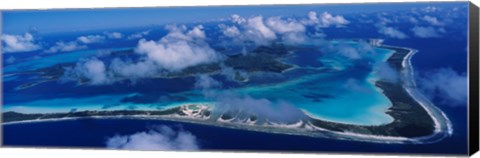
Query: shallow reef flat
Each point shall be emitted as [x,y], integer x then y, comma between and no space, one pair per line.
[413,121]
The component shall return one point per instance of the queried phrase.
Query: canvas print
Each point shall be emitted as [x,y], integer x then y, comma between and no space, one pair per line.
[373,77]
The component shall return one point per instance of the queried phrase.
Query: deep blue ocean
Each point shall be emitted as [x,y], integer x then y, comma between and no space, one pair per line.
[79,134]
[447,52]
[86,133]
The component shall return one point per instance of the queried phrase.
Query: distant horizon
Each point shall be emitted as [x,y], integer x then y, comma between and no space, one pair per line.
[62,20]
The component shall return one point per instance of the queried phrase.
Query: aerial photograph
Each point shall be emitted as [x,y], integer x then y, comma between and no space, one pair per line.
[366,77]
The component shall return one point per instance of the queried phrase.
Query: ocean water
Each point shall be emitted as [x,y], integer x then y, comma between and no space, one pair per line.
[321,94]
[93,133]
[326,95]
[50,60]
[434,53]
[68,104]
[87,133]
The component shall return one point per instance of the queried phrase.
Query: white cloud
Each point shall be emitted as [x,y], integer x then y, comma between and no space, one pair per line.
[326,19]
[362,51]
[93,70]
[114,35]
[277,111]
[157,138]
[425,32]
[251,29]
[206,82]
[412,20]
[430,9]
[445,85]
[96,72]
[18,43]
[263,31]
[81,41]
[349,52]
[232,74]
[431,20]
[238,19]
[91,39]
[181,33]
[312,16]
[386,73]
[138,35]
[291,30]
[177,51]
[294,37]
[258,27]
[283,26]
[197,32]
[229,31]
[65,47]
[392,32]
[132,70]
[383,20]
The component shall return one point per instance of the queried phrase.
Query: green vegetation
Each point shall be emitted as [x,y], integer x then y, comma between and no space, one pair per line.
[261,59]
[410,118]
[15,116]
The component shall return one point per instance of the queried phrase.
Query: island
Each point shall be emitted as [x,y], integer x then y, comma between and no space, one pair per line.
[415,119]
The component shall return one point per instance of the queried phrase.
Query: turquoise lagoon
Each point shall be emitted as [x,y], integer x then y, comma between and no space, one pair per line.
[52,59]
[335,90]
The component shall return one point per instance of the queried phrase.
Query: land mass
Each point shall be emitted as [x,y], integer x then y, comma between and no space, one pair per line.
[412,120]
[261,59]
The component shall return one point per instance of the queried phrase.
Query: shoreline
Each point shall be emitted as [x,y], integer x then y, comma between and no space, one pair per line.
[407,72]
[443,125]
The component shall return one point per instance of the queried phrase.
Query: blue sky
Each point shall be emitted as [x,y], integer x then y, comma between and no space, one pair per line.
[60,20]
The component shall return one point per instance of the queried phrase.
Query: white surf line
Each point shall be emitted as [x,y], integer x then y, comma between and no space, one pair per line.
[361,137]
[425,103]
[293,125]
[364,137]
[435,113]
[71,118]
[430,108]
[406,64]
